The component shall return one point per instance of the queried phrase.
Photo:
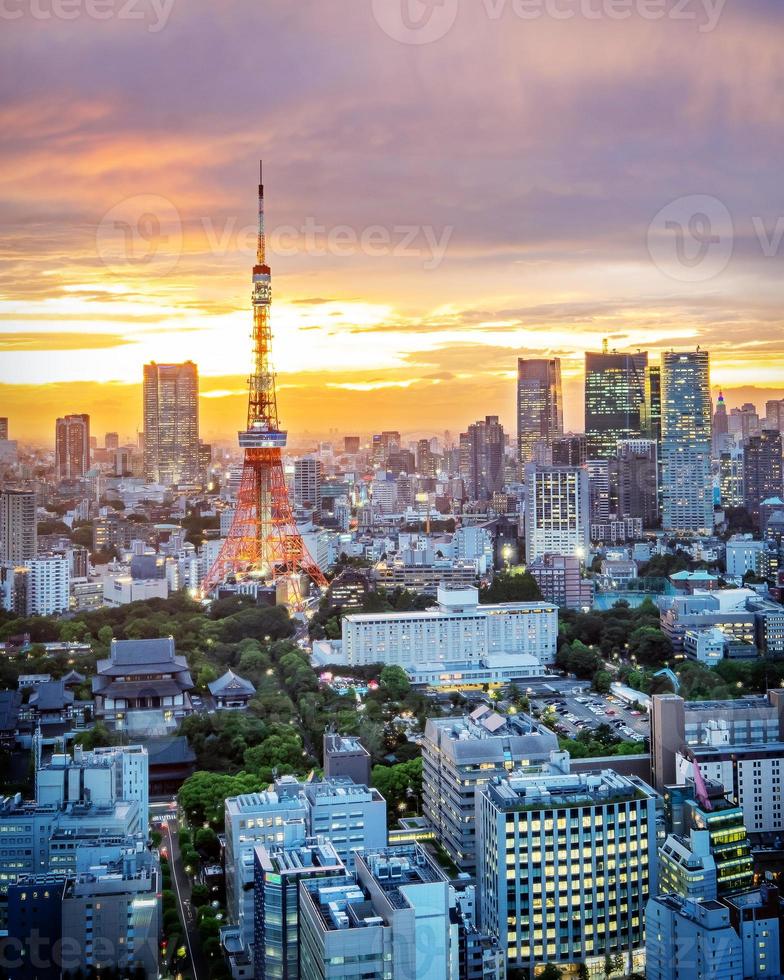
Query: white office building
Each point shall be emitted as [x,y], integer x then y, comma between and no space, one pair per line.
[275,818]
[744,554]
[557,511]
[457,630]
[103,776]
[351,817]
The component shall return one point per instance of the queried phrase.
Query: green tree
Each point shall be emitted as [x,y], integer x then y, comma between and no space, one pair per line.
[394,682]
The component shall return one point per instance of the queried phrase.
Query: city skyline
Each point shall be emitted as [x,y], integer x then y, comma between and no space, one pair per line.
[526,249]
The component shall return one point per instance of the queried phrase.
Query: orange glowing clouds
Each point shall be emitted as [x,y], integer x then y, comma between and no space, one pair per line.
[434,209]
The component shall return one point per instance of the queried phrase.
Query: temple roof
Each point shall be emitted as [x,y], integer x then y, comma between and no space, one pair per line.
[231,683]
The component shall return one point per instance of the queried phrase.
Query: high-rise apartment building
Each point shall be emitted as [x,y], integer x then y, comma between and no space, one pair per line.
[307,483]
[557,513]
[171,423]
[720,432]
[762,470]
[687,489]
[539,404]
[731,484]
[615,400]
[566,865]
[18,527]
[482,456]
[72,447]
[3,428]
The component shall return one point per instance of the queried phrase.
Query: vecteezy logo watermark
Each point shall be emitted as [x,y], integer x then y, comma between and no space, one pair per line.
[153,13]
[415,21]
[425,21]
[422,242]
[691,239]
[143,230]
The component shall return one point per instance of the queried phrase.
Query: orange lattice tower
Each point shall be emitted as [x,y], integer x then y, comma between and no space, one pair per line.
[264,540]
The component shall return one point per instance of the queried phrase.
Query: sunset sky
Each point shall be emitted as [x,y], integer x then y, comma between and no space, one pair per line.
[435,210]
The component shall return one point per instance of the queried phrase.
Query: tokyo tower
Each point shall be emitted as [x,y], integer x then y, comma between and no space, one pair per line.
[264,541]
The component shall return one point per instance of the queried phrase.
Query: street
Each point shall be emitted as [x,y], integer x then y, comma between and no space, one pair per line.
[164,819]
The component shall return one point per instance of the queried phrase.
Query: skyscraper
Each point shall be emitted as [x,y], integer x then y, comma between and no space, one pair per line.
[653,403]
[171,423]
[112,440]
[3,428]
[615,400]
[687,492]
[18,528]
[557,515]
[635,481]
[72,446]
[307,483]
[762,469]
[720,428]
[539,404]
[483,446]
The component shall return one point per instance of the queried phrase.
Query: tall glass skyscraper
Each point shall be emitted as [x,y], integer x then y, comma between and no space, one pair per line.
[615,400]
[687,492]
[171,423]
[539,404]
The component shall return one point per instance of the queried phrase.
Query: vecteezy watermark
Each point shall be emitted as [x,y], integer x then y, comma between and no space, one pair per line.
[143,230]
[153,13]
[423,242]
[146,231]
[424,21]
[692,238]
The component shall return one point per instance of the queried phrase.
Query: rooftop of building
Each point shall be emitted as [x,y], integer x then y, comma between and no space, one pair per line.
[340,788]
[550,786]
[455,602]
[336,744]
[485,734]
[394,867]
[231,683]
[285,793]
[310,856]
[710,912]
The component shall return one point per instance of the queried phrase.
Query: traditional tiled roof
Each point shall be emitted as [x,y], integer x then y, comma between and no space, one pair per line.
[231,683]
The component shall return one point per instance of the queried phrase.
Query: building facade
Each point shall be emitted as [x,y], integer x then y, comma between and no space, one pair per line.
[557,512]
[171,423]
[539,405]
[72,447]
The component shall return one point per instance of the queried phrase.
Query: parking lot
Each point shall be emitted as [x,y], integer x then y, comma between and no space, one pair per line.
[579,709]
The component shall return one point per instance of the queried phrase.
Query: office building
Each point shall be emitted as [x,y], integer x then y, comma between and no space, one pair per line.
[351,817]
[274,818]
[18,526]
[351,445]
[560,580]
[345,757]
[426,577]
[687,487]
[277,877]
[460,756]
[634,478]
[72,447]
[720,428]
[457,629]
[688,940]
[571,450]
[35,929]
[393,921]
[676,722]
[566,862]
[762,470]
[686,866]
[731,485]
[113,913]
[171,423]
[615,400]
[482,447]
[103,776]
[557,518]
[539,405]
[307,483]
[3,429]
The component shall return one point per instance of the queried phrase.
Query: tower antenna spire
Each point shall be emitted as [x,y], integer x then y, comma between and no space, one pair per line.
[261,245]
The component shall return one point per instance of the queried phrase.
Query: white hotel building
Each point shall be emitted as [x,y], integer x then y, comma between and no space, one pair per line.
[457,630]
